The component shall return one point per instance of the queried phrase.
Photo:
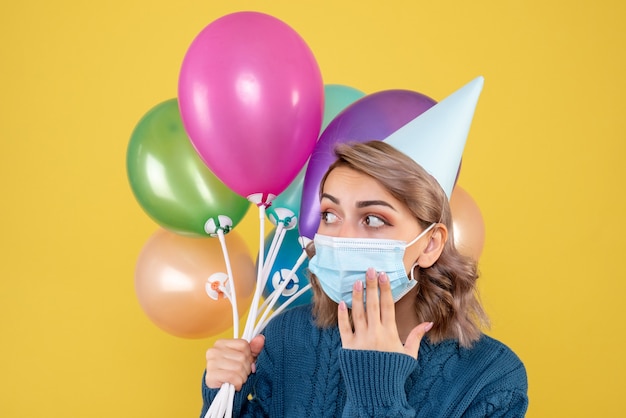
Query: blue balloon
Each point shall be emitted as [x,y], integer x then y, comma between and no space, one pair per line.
[287,257]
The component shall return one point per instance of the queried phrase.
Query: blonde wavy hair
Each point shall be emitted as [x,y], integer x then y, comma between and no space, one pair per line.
[447,293]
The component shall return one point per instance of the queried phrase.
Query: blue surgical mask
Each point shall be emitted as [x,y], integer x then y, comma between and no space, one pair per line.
[339,262]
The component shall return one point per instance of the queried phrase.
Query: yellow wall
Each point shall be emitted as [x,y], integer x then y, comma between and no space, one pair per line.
[544,161]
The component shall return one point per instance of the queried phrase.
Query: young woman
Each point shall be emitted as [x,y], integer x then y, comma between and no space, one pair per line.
[395,325]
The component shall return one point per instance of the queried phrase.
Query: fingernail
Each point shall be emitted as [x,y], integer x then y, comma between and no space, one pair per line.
[358,285]
[253,367]
[428,326]
[382,277]
[371,273]
[342,306]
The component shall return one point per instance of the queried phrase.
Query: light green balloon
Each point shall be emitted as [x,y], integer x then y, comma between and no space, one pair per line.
[170,181]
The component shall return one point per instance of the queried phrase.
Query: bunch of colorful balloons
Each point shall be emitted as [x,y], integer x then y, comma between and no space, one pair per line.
[253,123]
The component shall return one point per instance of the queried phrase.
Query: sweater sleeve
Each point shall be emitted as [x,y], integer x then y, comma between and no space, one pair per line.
[375,383]
[506,398]
[504,404]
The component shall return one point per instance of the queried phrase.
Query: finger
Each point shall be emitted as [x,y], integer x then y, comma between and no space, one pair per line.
[358,310]
[237,351]
[228,361]
[240,365]
[412,344]
[387,307]
[256,345]
[371,297]
[216,378]
[345,329]
[233,345]
[220,370]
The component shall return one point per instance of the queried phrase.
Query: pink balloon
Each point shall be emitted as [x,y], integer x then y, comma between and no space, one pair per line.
[251,98]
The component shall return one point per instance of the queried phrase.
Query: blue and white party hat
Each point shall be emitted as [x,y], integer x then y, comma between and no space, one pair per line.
[436,138]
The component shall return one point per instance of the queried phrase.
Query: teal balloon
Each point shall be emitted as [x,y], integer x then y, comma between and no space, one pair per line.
[170,181]
[336,98]
[289,199]
[288,254]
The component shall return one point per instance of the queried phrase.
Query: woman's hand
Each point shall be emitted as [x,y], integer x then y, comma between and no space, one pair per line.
[375,324]
[232,361]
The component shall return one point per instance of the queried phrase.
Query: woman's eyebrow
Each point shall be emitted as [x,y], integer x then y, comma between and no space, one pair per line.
[330,197]
[359,204]
[366,203]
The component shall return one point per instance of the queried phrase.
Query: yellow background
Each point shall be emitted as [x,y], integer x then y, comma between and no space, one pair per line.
[544,161]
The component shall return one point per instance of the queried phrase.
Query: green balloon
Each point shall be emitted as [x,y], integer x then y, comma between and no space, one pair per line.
[170,181]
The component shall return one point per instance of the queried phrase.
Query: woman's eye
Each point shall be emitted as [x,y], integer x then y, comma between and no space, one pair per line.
[374,221]
[329,218]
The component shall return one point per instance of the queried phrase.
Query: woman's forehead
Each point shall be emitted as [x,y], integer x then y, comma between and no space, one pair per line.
[345,183]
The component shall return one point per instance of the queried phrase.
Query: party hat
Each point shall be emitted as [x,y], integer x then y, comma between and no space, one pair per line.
[436,138]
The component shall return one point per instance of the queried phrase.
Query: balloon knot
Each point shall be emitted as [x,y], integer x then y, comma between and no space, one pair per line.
[262,199]
[216,286]
[224,224]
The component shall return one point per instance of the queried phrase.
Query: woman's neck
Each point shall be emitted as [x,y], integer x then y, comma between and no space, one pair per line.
[406,315]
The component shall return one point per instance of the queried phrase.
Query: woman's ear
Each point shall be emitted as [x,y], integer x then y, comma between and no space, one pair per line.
[435,246]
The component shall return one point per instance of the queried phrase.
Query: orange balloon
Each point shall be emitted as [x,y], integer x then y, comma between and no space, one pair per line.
[171,277]
[467,223]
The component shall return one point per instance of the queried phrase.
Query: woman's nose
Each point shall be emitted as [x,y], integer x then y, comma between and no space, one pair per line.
[347,230]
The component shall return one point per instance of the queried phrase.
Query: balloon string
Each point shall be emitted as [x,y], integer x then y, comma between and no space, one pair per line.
[282,226]
[218,406]
[222,405]
[223,401]
[284,306]
[232,293]
[231,400]
[273,249]
[254,306]
[273,298]
[272,253]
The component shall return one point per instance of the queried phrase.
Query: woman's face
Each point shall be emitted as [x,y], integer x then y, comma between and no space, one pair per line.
[355,205]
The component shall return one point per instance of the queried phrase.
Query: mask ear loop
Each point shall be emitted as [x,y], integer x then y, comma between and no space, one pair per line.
[416,264]
[422,234]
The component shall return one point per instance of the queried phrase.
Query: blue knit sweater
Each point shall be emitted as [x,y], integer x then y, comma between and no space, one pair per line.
[303,372]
